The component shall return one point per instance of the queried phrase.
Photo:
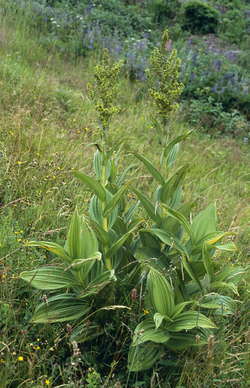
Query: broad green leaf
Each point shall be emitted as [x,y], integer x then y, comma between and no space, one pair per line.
[189,320]
[113,172]
[204,223]
[110,152]
[174,201]
[148,240]
[173,183]
[146,331]
[100,233]
[191,272]
[98,282]
[81,244]
[170,224]
[95,210]
[144,357]
[167,238]
[228,246]
[52,247]
[151,168]
[61,308]
[157,259]
[158,318]
[50,278]
[178,309]
[148,206]
[117,245]
[92,184]
[207,260]
[130,212]
[122,176]
[98,166]
[81,239]
[230,274]
[179,217]
[177,140]
[185,339]
[181,294]
[115,200]
[219,304]
[79,264]
[220,286]
[160,293]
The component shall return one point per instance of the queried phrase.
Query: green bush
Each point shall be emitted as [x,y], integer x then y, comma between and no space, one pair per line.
[198,17]
[162,10]
[234,26]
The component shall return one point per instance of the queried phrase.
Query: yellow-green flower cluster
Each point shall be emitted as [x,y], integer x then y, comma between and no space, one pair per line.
[166,70]
[105,78]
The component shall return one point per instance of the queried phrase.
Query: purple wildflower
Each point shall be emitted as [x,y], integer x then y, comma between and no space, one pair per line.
[219,64]
[194,59]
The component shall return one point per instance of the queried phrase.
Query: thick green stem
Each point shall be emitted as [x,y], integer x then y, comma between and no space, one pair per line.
[105,221]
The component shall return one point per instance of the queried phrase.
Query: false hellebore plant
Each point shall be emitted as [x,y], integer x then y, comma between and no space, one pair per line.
[110,248]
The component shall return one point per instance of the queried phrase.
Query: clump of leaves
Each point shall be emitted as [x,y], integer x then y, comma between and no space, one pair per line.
[108,250]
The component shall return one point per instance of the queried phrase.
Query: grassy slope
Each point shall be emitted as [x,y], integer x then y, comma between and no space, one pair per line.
[45,111]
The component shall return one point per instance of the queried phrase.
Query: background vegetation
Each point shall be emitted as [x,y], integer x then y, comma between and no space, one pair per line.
[48,52]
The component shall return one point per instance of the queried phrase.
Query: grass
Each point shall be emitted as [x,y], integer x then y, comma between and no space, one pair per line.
[46,122]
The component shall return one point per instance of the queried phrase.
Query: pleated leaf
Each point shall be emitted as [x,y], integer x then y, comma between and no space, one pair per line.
[151,168]
[185,339]
[52,247]
[191,273]
[160,292]
[167,238]
[173,183]
[101,234]
[219,304]
[204,223]
[179,217]
[177,140]
[115,200]
[189,320]
[92,184]
[178,309]
[50,278]
[207,260]
[110,152]
[98,166]
[143,357]
[148,206]
[146,331]
[61,308]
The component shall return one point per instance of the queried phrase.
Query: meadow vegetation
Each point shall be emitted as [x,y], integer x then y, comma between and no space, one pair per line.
[50,177]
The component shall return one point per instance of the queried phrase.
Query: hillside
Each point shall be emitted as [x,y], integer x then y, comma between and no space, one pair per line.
[49,51]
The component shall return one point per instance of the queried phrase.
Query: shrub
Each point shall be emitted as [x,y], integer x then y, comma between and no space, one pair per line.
[163,10]
[200,18]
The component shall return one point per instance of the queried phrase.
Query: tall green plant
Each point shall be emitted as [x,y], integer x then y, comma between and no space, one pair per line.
[103,251]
